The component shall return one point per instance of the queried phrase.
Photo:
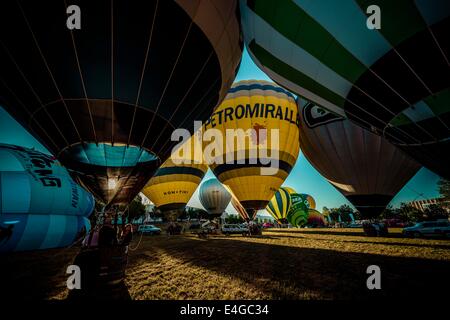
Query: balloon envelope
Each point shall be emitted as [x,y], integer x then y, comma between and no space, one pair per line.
[279,205]
[173,184]
[40,205]
[315,218]
[364,167]
[214,197]
[393,80]
[298,213]
[310,200]
[105,99]
[267,118]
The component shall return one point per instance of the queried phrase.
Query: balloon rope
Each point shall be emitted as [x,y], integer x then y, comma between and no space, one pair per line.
[137,246]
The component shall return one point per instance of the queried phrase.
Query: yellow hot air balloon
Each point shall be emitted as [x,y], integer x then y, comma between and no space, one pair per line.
[173,184]
[290,190]
[279,205]
[262,146]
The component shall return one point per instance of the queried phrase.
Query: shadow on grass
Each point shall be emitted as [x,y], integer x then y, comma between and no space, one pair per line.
[356,233]
[288,272]
[41,275]
[34,275]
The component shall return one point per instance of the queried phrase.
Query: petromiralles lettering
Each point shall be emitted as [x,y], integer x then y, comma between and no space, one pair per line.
[257,110]
[39,165]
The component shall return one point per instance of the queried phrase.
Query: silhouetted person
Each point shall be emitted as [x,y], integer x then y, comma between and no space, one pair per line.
[127,235]
[107,236]
[6,233]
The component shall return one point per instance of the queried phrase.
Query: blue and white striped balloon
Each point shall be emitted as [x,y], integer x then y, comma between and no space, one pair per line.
[41,206]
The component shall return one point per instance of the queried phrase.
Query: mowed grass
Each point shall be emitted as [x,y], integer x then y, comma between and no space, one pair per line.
[280,264]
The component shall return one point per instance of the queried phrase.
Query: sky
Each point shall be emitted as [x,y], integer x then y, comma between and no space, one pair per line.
[303,178]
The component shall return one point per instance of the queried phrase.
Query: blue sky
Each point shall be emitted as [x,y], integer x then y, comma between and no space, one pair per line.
[303,178]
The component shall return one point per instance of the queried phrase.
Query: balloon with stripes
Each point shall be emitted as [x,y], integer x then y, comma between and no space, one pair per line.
[393,81]
[41,206]
[279,205]
[105,99]
[174,183]
[263,148]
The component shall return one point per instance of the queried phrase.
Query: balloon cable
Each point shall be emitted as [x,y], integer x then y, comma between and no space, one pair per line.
[137,246]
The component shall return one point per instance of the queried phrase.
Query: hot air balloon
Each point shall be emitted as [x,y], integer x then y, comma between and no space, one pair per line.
[311,203]
[265,121]
[290,190]
[214,197]
[173,184]
[105,98]
[279,205]
[364,167]
[315,218]
[393,80]
[298,213]
[310,200]
[41,206]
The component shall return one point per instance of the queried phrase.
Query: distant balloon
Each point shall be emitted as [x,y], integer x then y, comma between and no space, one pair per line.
[298,213]
[310,199]
[290,190]
[214,197]
[364,167]
[279,205]
[41,206]
[315,218]
[393,81]
[105,99]
[173,184]
[255,107]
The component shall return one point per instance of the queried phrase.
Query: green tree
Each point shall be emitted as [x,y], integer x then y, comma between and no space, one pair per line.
[135,209]
[410,214]
[444,189]
[334,214]
[434,212]
[345,211]
[389,213]
[232,219]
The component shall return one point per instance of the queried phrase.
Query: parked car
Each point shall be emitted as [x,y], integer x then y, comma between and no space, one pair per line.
[234,229]
[268,225]
[428,229]
[355,225]
[149,229]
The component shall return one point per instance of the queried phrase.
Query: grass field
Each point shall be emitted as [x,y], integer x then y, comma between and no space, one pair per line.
[280,264]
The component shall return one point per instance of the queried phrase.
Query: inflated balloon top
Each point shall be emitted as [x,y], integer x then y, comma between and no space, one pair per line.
[173,184]
[298,213]
[263,121]
[391,76]
[214,197]
[311,201]
[41,206]
[105,98]
[279,205]
[315,218]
